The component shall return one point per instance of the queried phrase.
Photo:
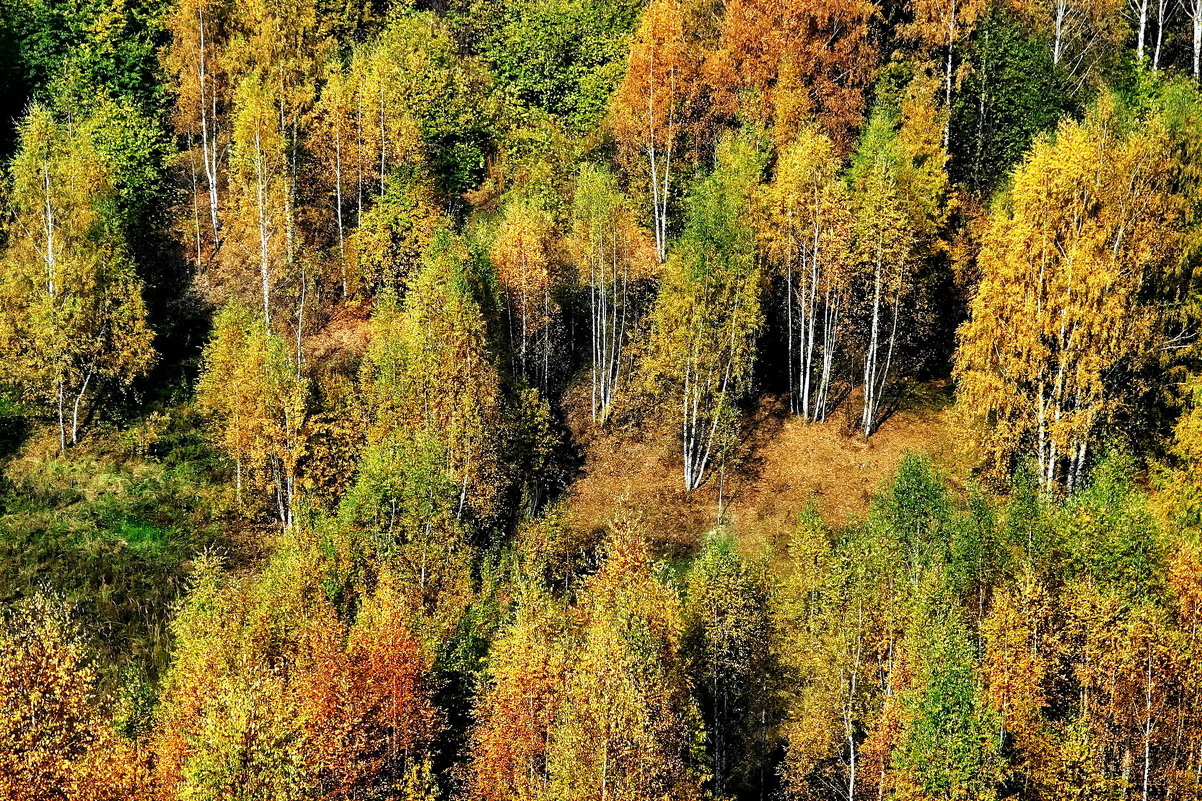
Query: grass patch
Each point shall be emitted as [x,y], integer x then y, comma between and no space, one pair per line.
[112,526]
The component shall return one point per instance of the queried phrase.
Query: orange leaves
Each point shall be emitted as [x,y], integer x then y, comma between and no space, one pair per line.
[54,741]
[523,699]
[655,106]
[364,706]
[653,102]
[589,702]
[780,63]
[268,690]
[799,61]
[389,670]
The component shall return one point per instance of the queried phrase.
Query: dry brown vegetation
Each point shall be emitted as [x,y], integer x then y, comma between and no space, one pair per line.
[786,465]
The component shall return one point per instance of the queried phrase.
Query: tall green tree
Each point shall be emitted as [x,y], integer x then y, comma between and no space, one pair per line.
[726,624]
[708,314]
[625,731]
[433,397]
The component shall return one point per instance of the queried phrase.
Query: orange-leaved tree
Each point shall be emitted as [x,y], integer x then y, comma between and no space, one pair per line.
[55,739]
[783,63]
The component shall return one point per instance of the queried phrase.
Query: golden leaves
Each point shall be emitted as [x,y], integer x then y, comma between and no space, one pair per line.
[1062,309]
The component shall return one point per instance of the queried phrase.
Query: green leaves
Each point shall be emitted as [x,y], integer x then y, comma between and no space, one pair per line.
[564,56]
[950,747]
[433,397]
[707,317]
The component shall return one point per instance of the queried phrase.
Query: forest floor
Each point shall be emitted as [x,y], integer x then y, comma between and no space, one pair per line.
[785,466]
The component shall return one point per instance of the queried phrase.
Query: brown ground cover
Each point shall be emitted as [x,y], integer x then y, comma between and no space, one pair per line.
[785,465]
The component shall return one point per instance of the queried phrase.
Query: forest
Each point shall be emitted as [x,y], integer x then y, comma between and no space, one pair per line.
[600,400]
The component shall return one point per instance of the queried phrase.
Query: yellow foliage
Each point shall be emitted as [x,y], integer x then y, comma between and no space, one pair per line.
[1062,320]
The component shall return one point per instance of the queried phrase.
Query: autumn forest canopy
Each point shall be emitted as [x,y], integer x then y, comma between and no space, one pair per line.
[600,400]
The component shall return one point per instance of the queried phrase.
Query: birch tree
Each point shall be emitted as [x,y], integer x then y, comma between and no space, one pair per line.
[335,144]
[521,699]
[1163,10]
[260,188]
[252,389]
[807,236]
[53,730]
[612,256]
[1070,305]
[526,256]
[899,189]
[707,316]
[1082,34]
[652,109]
[624,730]
[1140,12]
[1193,12]
[941,26]
[726,623]
[827,656]
[884,251]
[195,59]
[432,395]
[72,318]
[277,53]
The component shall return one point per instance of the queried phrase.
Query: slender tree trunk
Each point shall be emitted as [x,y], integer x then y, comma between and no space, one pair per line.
[87,379]
[1161,10]
[789,335]
[264,230]
[870,360]
[829,339]
[1060,19]
[947,90]
[594,316]
[208,124]
[62,423]
[1141,15]
[811,328]
[338,204]
[1194,8]
[617,332]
